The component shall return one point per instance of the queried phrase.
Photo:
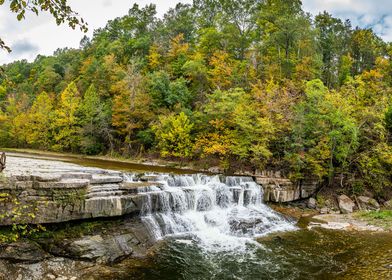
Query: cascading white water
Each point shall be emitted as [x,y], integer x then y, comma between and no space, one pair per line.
[220,213]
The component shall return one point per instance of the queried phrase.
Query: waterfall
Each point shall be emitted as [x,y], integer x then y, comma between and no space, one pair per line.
[217,212]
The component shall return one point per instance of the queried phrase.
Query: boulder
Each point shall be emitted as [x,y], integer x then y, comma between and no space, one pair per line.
[312,203]
[215,169]
[388,204]
[22,252]
[324,210]
[346,205]
[103,249]
[368,203]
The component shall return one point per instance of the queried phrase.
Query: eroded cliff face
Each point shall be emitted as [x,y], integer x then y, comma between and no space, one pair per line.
[277,188]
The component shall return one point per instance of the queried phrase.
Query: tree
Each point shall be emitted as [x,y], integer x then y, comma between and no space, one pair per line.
[173,135]
[286,37]
[94,120]
[59,9]
[365,47]
[13,121]
[334,39]
[131,108]
[236,128]
[166,93]
[325,134]
[39,119]
[66,123]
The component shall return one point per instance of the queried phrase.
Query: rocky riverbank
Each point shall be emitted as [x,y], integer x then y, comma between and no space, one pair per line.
[87,250]
[91,216]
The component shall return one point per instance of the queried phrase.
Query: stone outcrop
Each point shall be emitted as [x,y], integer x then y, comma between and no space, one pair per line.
[388,204]
[279,189]
[52,192]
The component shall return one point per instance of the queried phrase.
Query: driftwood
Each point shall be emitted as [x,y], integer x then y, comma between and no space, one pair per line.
[2,161]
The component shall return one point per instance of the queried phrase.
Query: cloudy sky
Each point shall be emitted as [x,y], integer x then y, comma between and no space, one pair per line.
[40,35]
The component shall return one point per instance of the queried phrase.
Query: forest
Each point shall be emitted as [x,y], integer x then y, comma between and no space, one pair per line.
[255,83]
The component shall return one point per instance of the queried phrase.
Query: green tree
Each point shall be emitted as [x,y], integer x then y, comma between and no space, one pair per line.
[325,133]
[287,37]
[173,135]
[334,38]
[94,120]
[39,119]
[66,124]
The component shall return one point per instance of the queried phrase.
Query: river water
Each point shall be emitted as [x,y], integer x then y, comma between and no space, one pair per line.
[216,227]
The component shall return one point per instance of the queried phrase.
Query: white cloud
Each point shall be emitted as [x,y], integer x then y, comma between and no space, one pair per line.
[46,36]
[376,14]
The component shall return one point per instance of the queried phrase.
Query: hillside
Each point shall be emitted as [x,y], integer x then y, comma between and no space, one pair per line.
[258,84]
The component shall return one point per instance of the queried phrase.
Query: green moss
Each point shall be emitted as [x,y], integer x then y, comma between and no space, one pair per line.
[381,218]
[68,197]
[74,230]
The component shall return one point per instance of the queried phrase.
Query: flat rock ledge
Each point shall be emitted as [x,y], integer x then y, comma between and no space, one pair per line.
[346,222]
[53,191]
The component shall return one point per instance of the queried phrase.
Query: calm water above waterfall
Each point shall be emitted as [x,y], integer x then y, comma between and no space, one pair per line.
[218,228]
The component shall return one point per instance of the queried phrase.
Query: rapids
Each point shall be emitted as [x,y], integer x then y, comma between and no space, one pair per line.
[219,213]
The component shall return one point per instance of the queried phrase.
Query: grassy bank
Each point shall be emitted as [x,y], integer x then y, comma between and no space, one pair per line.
[382,218]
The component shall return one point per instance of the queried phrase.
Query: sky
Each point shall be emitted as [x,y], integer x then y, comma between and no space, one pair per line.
[40,35]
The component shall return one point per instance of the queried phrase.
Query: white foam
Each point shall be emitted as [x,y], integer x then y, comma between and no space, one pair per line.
[218,213]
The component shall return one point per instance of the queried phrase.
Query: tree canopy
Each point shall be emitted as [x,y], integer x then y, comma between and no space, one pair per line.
[256,84]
